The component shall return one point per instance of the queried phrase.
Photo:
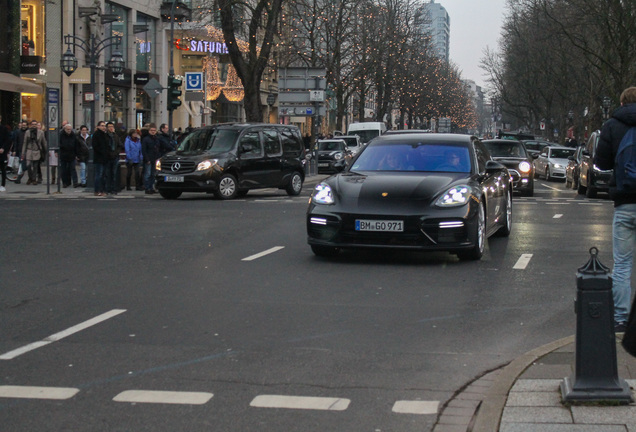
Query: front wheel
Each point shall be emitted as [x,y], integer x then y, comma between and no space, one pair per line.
[228,187]
[547,174]
[580,188]
[295,184]
[506,227]
[591,190]
[479,239]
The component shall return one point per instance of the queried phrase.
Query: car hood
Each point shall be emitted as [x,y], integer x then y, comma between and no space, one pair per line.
[382,192]
[509,161]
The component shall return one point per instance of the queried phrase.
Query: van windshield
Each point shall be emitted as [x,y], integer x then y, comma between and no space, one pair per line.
[366,135]
[214,140]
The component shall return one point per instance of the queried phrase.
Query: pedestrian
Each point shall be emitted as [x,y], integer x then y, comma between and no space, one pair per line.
[167,145]
[134,159]
[85,144]
[5,148]
[34,152]
[624,223]
[151,150]
[18,139]
[112,167]
[69,151]
[101,149]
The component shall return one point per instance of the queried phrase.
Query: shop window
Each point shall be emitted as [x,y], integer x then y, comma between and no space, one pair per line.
[117,28]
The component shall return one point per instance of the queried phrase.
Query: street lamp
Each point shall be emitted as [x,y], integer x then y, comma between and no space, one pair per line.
[606,106]
[93,49]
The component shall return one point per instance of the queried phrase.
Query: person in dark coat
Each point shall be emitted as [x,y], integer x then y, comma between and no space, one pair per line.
[69,150]
[101,150]
[18,139]
[624,224]
[112,167]
[151,151]
[5,147]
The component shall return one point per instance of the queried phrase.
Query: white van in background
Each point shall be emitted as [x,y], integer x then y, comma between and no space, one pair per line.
[366,130]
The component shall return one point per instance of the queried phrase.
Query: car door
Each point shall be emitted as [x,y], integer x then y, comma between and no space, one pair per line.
[541,162]
[251,160]
[273,157]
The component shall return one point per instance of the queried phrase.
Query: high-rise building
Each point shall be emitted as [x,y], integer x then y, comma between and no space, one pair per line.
[438,26]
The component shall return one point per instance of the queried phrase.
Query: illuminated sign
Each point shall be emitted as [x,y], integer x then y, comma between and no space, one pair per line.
[195,45]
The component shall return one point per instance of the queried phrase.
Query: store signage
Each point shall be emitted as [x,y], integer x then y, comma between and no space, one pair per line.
[196,45]
[141,78]
[30,64]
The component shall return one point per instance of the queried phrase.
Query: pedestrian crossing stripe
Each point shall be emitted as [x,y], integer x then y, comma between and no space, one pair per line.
[34,392]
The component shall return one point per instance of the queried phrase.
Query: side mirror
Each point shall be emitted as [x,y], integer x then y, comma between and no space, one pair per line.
[534,155]
[340,165]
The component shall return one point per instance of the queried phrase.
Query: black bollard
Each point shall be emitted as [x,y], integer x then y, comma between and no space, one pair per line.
[596,372]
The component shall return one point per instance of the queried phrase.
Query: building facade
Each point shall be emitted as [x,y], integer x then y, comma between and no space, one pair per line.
[438,26]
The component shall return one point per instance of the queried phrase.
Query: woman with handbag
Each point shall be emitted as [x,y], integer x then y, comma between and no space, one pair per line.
[34,151]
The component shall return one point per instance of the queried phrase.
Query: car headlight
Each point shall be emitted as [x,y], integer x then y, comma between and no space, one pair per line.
[525,167]
[322,194]
[338,156]
[556,165]
[455,196]
[207,164]
[158,165]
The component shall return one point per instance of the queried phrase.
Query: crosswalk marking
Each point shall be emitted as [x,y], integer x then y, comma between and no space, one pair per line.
[163,397]
[522,262]
[557,216]
[33,392]
[415,407]
[300,402]
[262,254]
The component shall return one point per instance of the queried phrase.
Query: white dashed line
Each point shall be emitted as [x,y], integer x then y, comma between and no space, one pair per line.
[415,407]
[262,254]
[300,402]
[32,392]
[61,335]
[557,216]
[522,262]
[163,397]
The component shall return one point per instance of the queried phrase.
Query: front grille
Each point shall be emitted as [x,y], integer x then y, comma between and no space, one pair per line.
[177,166]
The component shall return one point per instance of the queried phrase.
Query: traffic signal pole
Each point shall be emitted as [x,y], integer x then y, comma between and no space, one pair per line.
[171,75]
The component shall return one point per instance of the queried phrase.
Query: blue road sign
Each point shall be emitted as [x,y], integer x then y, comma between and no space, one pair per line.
[194,81]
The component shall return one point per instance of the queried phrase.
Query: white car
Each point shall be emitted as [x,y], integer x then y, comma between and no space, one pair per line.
[552,162]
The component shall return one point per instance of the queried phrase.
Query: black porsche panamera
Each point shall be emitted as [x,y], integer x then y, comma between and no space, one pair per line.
[414,191]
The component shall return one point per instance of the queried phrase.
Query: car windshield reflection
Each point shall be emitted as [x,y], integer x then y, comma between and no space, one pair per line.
[220,140]
[418,157]
[503,149]
[561,153]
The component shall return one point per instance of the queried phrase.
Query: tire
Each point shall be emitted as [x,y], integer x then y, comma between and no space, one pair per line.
[568,183]
[228,187]
[505,230]
[591,191]
[479,239]
[170,194]
[242,192]
[575,183]
[324,251]
[547,174]
[295,185]
[580,189]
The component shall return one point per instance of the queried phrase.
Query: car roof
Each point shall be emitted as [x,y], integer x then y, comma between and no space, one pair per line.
[331,140]
[425,137]
[557,147]
[499,140]
[406,131]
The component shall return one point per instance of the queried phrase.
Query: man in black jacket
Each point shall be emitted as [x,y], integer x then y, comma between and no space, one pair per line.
[69,150]
[101,149]
[151,151]
[624,225]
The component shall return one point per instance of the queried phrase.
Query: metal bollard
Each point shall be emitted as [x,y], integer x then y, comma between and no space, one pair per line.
[596,372]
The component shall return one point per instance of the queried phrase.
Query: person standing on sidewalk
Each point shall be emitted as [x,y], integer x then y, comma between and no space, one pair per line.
[624,224]
[69,150]
[5,147]
[133,159]
[85,143]
[33,151]
[167,144]
[101,148]
[18,139]
[151,150]
[112,167]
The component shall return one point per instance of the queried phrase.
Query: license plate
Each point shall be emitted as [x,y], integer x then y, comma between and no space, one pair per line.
[379,225]
[173,179]
[323,165]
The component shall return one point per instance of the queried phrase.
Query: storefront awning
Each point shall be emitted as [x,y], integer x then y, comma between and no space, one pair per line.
[12,83]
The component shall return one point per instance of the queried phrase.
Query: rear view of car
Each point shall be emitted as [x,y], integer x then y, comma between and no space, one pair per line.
[592,179]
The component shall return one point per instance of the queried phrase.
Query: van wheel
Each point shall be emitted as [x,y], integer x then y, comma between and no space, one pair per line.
[227,187]
[295,184]
[170,194]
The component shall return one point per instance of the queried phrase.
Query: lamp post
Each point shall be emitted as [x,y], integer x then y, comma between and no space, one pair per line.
[93,49]
[606,106]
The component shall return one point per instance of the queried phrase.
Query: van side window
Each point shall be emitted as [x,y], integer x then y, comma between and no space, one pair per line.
[250,146]
[272,143]
[291,143]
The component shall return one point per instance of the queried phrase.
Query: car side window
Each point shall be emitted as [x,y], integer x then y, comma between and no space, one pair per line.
[482,155]
[250,146]
[272,143]
[292,147]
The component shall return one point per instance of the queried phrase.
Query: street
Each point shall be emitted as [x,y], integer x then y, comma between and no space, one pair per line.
[107,304]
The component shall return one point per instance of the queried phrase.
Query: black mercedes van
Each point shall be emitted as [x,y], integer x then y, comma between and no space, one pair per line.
[230,159]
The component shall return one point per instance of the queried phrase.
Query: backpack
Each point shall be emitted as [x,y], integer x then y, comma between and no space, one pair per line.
[625,163]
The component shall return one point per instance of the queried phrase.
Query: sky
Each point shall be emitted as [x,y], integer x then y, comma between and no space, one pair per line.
[475,25]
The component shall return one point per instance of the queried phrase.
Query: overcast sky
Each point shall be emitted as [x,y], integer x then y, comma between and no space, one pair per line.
[475,25]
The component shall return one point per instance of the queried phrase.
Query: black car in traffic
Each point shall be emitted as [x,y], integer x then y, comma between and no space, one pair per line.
[513,155]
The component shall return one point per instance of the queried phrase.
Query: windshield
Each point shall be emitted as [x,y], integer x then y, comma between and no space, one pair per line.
[366,135]
[505,149]
[414,156]
[561,153]
[216,140]
[330,145]
[533,145]
[351,142]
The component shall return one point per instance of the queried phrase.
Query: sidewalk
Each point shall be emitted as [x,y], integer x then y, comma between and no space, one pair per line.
[525,396]
[24,191]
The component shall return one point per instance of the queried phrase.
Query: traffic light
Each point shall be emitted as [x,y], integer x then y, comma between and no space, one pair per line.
[174,93]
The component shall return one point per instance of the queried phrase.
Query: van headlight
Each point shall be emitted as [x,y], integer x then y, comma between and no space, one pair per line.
[207,164]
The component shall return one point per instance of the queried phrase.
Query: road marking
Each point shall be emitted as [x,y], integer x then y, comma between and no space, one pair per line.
[262,254]
[32,392]
[61,335]
[522,262]
[163,397]
[300,402]
[557,216]
[415,407]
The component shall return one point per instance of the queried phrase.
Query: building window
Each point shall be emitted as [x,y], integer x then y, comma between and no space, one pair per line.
[145,44]
[117,28]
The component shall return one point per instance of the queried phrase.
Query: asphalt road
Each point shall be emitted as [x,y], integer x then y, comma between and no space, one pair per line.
[107,304]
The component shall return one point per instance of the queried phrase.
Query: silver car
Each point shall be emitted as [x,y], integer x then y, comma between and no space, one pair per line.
[552,162]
